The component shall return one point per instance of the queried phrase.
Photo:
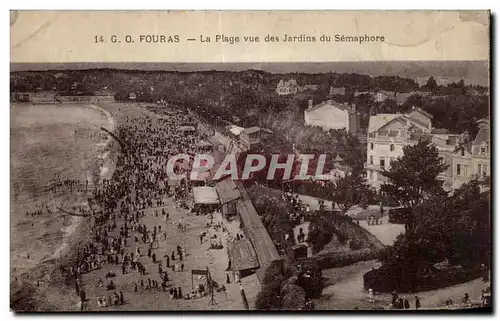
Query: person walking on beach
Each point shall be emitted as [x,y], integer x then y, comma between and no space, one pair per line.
[417,303]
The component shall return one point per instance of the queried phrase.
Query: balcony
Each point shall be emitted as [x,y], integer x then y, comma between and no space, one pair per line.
[374,167]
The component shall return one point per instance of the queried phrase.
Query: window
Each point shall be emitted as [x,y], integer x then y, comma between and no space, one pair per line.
[370,175]
[371,159]
[392,147]
[393,133]
[483,151]
[382,161]
[458,170]
[391,160]
[485,170]
[479,169]
[462,152]
[383,133]
[371,145]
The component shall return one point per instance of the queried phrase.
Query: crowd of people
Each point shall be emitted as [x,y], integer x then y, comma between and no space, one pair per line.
[140,181]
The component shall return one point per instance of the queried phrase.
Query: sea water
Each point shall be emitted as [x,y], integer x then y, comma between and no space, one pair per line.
[49,143]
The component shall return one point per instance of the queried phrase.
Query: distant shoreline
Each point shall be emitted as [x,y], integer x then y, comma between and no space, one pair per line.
[473,72]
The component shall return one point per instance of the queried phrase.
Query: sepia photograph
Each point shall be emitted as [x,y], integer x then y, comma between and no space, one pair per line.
[250,186]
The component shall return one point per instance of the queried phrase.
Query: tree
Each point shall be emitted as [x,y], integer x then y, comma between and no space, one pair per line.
[431,84]
[366,198]
[347,191]
[414,176]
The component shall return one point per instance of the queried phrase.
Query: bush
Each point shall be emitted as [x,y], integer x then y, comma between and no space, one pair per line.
[293,298]
[399,215]
[265,299]
[308,275]
[355,245]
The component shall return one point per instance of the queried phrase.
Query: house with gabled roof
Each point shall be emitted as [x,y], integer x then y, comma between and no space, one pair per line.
[472,159]
[332,115]
[388,134]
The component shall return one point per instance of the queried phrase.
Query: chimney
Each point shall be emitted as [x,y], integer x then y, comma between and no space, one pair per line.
[310,104]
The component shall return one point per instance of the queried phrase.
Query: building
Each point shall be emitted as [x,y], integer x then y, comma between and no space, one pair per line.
[309,88]
[288,87]
[337,91]
[472,160]
[389,133]
[383,95]
[332,115]
[252,136]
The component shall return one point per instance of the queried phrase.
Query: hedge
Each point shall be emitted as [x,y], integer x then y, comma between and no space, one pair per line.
[339,259]
[390,278]
[399,215]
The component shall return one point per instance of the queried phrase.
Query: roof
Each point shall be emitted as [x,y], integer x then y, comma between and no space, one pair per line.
[482,136]
[330,103]
[255,229]
[423,112]
[236,130]
[187,128]
[214,141]
[385,92]
[378,121]
[242,255]
[417,121]
[440,131]
[205,195]
[338,158]
[203,144]
[227,190]
[251,130]
[421,136]
[358,93]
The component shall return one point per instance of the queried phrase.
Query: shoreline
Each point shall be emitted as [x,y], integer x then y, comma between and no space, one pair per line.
[25,293]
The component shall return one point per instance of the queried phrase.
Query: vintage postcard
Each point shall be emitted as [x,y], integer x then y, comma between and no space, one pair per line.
[250,160]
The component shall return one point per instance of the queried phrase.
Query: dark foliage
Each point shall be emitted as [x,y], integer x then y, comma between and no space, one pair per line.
[455,228]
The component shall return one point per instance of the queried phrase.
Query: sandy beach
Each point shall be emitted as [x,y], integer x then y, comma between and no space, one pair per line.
[54,293]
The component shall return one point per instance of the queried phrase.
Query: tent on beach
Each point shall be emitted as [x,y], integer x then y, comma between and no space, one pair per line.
[205,195]
[205,198]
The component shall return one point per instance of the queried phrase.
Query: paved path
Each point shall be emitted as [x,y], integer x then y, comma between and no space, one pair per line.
[385,232]
[348,292]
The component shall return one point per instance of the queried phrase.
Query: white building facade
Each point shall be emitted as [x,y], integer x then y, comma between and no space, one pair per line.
[332,115]
[389,133]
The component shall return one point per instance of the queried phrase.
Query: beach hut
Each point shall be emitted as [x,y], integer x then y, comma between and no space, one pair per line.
[297,251]
[187,130]
[205,198]
[242,256]
[228,195]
